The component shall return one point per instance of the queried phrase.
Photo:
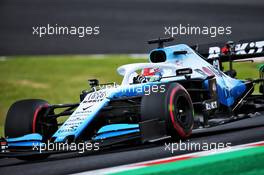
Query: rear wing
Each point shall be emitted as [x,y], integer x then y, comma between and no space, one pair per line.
[217,53]
[242,49]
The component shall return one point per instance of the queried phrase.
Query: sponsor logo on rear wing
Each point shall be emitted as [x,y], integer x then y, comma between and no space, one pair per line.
[233,50]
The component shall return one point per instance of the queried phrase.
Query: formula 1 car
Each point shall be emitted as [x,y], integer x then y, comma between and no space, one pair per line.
[176,92]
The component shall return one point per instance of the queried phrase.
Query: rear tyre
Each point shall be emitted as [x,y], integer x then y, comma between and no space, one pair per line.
[174,105]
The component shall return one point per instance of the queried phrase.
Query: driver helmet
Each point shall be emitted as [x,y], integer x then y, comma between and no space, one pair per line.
[151,73]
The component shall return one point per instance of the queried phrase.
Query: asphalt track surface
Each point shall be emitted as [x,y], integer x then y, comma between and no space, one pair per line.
[125,25]
[239,132]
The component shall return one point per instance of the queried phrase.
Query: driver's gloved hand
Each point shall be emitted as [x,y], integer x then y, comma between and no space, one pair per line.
[140,79]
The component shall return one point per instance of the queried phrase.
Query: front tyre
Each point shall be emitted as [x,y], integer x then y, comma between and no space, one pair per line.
[26,117]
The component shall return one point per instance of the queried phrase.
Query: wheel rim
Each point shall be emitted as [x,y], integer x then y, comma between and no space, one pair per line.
[182,111]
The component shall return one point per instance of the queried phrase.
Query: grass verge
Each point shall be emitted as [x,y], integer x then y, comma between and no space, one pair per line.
[243,162]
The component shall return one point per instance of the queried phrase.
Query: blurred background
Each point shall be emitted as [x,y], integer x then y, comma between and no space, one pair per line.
[125,25]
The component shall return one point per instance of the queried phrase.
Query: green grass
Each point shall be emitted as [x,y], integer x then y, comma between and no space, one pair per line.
[245,69]
[60,79]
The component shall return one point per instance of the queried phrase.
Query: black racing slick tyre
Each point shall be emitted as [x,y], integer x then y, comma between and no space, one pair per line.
[174,105]
[25,117]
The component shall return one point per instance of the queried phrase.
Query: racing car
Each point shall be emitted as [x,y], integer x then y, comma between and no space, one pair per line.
[175,93]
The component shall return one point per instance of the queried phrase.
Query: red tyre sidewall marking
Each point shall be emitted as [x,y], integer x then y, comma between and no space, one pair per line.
[175,124]
[36,115]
